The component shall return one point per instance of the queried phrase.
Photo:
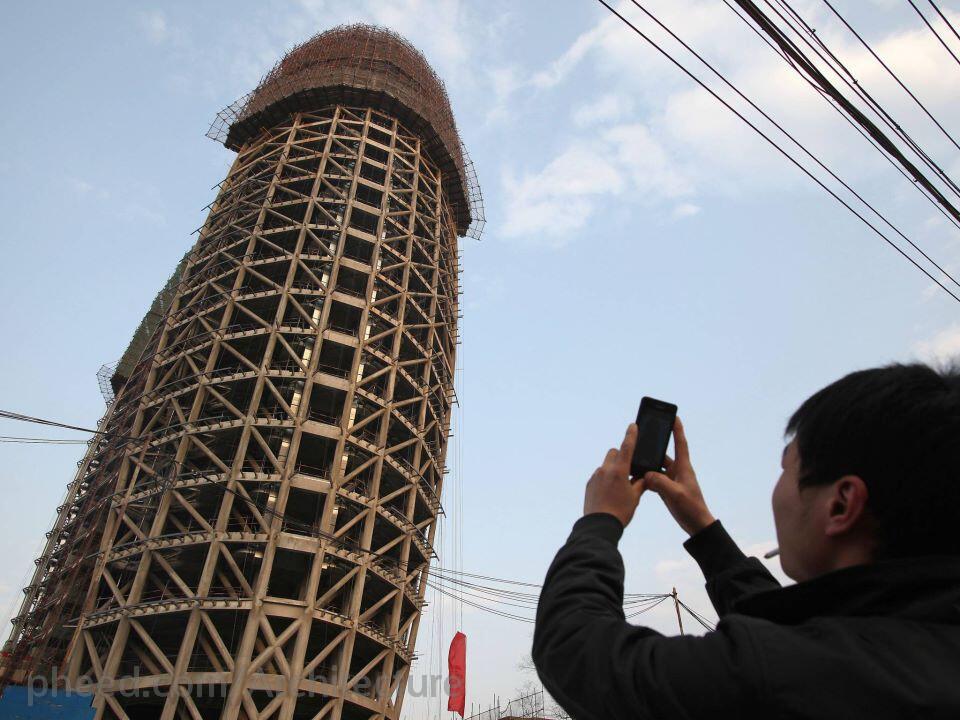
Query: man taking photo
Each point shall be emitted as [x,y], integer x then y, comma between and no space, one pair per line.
[866,511]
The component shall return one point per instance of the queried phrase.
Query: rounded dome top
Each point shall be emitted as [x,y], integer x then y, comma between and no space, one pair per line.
[363,65]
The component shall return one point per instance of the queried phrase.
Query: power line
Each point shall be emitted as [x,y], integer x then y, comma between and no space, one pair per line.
[40,441]
[485,577]
[791,49]
[445,577]
[796,142]
[285,519]
[648,608]
[478,603]
[945,19]
[442,574]
[816,44]
[9,415]
[934,30]
[776,146]
[892,73]
[479,606]
[697,616]
[835,107]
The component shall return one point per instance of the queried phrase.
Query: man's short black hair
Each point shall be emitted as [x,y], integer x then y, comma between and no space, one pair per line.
[897,428]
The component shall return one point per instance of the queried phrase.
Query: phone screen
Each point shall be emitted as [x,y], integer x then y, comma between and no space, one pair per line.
[654,425]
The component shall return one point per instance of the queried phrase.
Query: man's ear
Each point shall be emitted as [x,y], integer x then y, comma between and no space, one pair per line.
[847,506]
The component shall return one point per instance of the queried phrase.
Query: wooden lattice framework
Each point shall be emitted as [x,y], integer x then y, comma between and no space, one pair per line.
[271,535]
[250,535]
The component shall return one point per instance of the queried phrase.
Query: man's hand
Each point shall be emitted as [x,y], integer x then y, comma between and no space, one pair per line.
[678,487]
[609,489]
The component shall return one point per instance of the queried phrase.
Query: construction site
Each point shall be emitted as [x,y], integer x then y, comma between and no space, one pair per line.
[250,532]
[267,520]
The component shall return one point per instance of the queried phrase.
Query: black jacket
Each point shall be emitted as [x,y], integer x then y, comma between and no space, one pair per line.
[873,641]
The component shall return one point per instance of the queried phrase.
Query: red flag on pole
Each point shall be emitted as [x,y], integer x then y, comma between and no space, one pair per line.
[457,669]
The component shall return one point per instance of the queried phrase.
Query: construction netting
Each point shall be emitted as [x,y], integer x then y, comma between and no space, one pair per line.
[363,65]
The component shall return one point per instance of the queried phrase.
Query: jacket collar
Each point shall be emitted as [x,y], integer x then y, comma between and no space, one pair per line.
[923,588]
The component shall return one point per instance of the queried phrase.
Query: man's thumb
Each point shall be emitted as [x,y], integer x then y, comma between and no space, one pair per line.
[660,484]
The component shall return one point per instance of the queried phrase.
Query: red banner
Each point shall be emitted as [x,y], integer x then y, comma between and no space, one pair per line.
[457,669]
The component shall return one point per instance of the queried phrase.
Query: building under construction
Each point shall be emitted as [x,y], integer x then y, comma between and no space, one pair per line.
[250,534]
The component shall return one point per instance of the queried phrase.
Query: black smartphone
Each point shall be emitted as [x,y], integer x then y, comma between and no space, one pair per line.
[654,425]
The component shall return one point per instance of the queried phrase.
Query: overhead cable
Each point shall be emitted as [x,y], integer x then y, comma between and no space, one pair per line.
[796,142]
[788,47]
[836,108]
[40,441]
[892,74]
[446,581]
[809,36]
[934,30]
[945,19]
[777,147]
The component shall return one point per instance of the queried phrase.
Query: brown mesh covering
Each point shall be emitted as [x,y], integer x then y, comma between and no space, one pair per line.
[362,65]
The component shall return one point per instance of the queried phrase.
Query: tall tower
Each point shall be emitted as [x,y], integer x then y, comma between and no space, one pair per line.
[250,536]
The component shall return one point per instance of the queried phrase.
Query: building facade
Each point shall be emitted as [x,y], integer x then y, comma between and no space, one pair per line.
[251,535]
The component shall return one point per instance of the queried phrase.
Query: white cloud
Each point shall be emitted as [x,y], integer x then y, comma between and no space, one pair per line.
[504,81]
[654,172]
[711,141]
[942,347]
[441,29]
[684,210]
[154,24]
[607,108]
[560,68]
[674,566]
[546,206]
[444,39]
[85,188]
[558,198]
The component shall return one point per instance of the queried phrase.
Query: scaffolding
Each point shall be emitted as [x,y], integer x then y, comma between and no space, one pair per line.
[364,65]
[530,706]
[251,534]
[104,381]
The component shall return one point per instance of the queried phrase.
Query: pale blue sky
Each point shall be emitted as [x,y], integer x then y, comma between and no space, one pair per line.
[638,242]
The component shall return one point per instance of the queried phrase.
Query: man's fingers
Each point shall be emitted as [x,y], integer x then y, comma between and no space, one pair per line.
[629,441]
[680,441]
[611,456]
[660,484]
[667,462]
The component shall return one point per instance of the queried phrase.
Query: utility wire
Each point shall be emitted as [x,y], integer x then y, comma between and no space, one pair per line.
[934,30]
[796,142]
[776,146]
[287,520]
[484,577]
[697,616]
[444,577]
[438,569]
[834,106]
[945,19]
[446,591]
[495,594]
[648,608]
[40,441]
[892,73]
[816,44]
[9,415]
[736,11]
[479,606]
[791,49]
